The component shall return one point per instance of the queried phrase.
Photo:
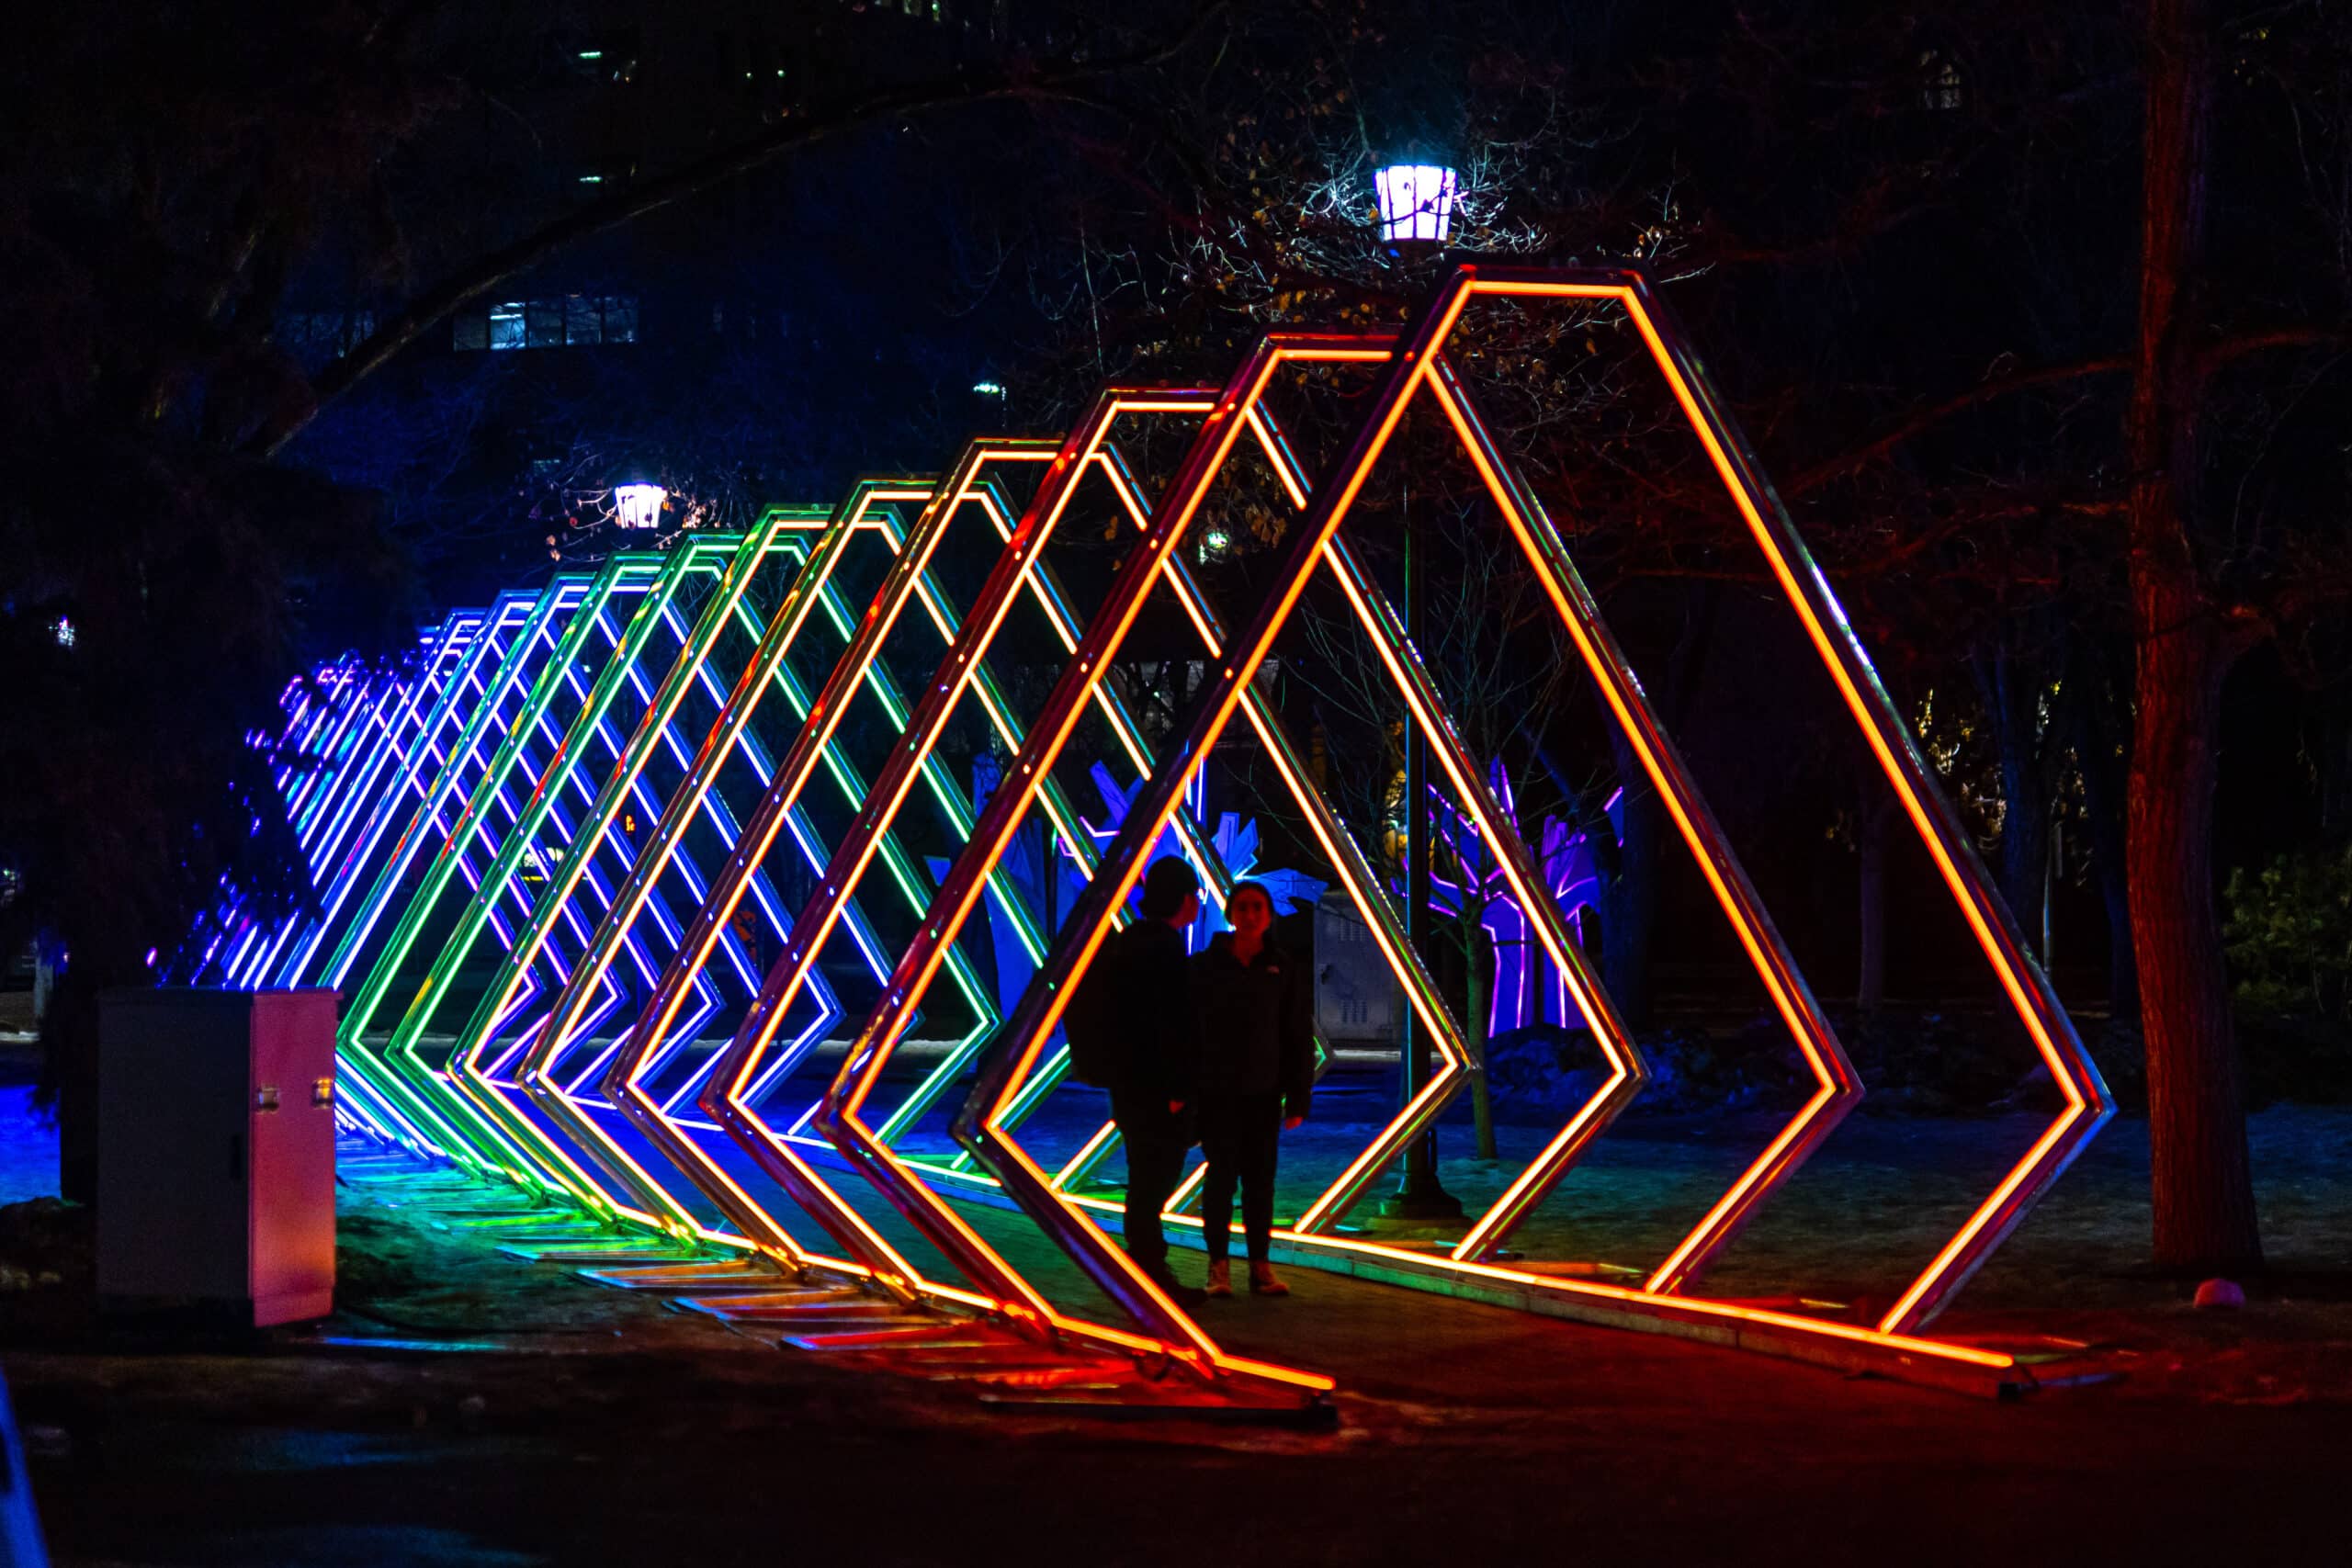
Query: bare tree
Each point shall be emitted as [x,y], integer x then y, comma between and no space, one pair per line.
[1498,654]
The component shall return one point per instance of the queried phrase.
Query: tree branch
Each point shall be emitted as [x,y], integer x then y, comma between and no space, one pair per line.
[1934,415]
[2220,351]
[487,272]
[2223,350]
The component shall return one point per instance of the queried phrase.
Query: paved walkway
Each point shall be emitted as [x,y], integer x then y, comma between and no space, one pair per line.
[558,1422]
[566,1423]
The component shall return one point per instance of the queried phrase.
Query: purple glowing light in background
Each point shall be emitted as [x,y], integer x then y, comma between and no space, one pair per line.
[1528,987]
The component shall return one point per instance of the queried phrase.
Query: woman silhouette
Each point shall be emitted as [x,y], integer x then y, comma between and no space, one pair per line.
[1254,1078]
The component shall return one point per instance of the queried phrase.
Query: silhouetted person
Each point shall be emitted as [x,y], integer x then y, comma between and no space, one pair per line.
[1159,1035]
[1255,1077]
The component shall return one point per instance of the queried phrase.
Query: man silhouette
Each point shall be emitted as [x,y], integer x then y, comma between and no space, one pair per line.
[1159,1035]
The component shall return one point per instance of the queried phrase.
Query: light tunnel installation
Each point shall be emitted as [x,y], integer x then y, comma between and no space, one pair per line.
[540,802]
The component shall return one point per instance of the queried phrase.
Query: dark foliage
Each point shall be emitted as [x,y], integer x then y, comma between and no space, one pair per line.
[163,175]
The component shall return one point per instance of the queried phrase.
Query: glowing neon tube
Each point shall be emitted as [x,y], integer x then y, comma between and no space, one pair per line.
[332,811]
[582,599]
[865,510]
[864,514]
[418,774]
[656,580]
[1022,786]
[724,1097]
[908,579]
[1889,741]
[718,612]
[1100,900]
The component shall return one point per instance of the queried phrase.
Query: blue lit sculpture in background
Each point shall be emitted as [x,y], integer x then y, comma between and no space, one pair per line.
[1024,863]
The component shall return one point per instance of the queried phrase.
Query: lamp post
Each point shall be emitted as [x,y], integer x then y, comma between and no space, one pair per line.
[1416,215]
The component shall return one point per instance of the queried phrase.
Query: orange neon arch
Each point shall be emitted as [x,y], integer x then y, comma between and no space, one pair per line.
[1418,366]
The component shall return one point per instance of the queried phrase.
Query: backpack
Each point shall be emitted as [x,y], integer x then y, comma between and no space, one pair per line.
[1091,1022]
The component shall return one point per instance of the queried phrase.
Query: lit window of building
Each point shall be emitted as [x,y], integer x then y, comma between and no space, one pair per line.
[567,321]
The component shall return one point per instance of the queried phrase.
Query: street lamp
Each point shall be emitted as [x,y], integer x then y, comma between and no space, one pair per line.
[637,505]
[1416,201]
[1415,211]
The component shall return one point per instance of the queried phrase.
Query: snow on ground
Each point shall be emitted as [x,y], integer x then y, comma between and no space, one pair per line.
[1870,1209]
[1868,1212]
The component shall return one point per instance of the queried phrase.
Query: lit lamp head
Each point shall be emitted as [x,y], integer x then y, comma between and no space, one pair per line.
[1416,203]
[637,505]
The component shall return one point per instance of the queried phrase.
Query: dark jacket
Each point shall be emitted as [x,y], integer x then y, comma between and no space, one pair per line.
[1157,1013]
[1256,1033]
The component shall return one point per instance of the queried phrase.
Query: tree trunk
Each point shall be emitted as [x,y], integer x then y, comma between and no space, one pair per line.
[2335,755]
[1478,990]
[2202,1187]
[69,1055]
[2122,956]
[70,1040]
[1629,896]
[1629,899]
[1869,842]
[2010,693]
[2091,725]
